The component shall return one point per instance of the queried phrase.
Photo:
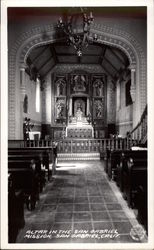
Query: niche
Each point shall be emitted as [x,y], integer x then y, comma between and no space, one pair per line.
[25,104]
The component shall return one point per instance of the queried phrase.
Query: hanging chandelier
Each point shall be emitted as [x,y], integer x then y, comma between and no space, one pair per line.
[76,27]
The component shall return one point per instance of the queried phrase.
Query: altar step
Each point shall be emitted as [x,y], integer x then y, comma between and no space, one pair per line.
[75,123]
[78,157]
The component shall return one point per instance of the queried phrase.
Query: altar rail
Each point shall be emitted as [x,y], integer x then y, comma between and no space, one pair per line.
[78,145]
[94,145]
[30,143]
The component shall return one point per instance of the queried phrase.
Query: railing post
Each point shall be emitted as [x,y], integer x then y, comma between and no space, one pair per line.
[128,144]
[109,144]
[121,143]
[112,144]
[71,147]
[105,145]
[116,144]
[100,146]
[62,146]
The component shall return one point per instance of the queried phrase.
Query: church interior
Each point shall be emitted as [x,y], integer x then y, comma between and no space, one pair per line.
[77,125]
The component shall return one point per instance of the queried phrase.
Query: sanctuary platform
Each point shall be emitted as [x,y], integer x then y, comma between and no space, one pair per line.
[79,129]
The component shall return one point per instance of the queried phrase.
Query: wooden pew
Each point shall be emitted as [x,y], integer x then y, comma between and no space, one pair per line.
[23,186]
[18,158]
[135,186]
[134,175]
[132,180]
[141,201]
[16,219]
[15,156]
[113,161]
[25,178]
[47,156]
[125,155]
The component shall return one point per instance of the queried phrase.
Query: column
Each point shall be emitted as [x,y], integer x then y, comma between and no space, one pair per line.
[70,106]
[133,83]
[22,82]
[22,96]
[38,92]
[134,91]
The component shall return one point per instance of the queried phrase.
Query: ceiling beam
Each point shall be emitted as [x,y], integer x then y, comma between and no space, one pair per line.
[40,54]
[42,66]
[118,57]
[102,55]
[77,62]
[54,54]
[49,70]
[111,64]
[74,54]
[108,72]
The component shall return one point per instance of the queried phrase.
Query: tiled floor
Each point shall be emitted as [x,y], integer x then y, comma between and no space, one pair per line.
[80,205]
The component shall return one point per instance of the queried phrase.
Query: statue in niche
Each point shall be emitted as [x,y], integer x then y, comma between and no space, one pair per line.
[60,87]
[60,109]
[98,85]
[79,114]
[98,108]
[25,104]
[79,83]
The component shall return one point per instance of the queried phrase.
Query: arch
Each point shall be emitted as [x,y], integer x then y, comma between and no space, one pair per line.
[106,35]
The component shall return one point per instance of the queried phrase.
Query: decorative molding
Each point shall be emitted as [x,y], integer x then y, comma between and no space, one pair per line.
[68,68]
[33,38]
[111,102]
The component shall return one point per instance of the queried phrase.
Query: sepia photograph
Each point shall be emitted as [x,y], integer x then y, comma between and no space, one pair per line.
[76,168]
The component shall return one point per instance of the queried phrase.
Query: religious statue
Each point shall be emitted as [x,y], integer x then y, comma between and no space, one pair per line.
[79,114]
[79,83]
[98,108]
[60,87]
[60,109]
[25,104]
[99,111]
[98,84]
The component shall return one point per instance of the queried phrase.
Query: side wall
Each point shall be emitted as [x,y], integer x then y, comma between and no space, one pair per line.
[30,91]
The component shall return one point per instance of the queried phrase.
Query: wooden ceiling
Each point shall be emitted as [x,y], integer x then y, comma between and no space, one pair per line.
[43,59]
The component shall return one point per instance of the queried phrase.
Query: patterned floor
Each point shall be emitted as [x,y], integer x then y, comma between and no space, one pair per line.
[80,205]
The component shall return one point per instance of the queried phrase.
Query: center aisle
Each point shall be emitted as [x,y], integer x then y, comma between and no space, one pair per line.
[80,205]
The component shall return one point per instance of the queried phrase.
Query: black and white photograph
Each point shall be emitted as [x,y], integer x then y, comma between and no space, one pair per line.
[76,148]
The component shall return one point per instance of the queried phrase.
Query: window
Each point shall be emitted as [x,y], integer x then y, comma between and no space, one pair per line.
[37,95]
[127,93]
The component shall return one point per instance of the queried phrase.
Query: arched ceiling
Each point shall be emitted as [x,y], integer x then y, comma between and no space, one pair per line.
[42,59]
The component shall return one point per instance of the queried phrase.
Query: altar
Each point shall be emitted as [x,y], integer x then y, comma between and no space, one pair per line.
[34,135]
[79,132]
[79,127]
[79,103]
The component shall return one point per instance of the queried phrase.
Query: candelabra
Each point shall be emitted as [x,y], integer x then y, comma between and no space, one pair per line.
[77,36]
[27,126]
